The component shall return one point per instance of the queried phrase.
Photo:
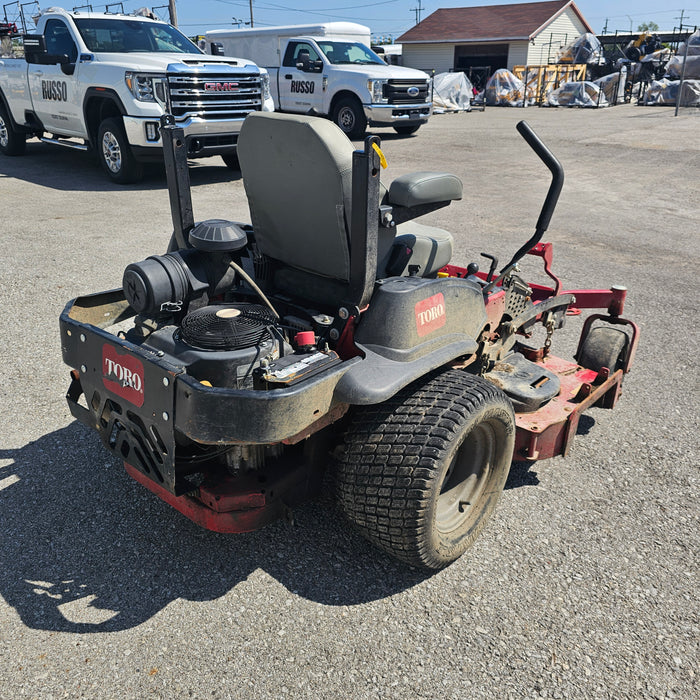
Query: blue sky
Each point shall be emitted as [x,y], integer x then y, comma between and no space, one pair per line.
[393,17]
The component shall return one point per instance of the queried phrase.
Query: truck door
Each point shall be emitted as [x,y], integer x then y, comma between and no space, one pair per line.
[55,95]
[300,78]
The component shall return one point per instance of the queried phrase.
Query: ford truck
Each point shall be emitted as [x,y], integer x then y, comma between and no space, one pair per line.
[328,69]
[101,81]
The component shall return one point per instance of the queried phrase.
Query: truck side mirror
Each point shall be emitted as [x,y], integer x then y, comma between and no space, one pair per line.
[34,47]
[217,48]
[303,61]
[67,66]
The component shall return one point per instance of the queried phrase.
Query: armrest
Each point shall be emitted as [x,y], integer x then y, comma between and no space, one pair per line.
[416,189]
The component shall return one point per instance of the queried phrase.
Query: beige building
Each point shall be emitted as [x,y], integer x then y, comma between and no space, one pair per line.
[480,40]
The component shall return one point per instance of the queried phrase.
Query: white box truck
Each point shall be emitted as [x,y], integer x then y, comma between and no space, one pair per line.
[329,69]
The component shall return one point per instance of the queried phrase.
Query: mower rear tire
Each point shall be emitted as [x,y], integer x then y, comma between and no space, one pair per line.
[231,160]
[12,141]
[420,474]
[604,346]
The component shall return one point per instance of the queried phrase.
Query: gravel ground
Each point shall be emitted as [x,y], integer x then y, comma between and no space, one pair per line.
[584,584]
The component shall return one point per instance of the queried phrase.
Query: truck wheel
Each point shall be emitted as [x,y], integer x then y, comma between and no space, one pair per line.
[115,154]
[406,130]
[603,347]
[350,117]
[12,142]
[231,160]
[421,473]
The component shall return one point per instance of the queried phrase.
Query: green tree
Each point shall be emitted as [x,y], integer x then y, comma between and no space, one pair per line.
[648,27]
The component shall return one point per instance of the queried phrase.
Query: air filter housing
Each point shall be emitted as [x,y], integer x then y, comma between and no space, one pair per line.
[218,236]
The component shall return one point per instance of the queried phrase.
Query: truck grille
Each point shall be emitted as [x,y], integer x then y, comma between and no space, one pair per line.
[214,95]
[396,91]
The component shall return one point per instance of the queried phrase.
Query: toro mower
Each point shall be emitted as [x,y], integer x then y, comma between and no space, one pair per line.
[333,335]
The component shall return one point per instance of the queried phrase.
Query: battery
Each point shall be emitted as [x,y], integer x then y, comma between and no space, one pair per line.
[291,369]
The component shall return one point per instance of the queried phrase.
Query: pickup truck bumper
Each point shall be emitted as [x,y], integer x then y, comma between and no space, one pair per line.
[378,115]
[204,137]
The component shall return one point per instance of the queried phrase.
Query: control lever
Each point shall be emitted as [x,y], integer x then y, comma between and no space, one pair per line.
[550,202]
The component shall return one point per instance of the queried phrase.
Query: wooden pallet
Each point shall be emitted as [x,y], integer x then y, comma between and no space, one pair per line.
[541,80]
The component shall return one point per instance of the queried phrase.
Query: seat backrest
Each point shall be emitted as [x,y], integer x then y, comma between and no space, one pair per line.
[297,173]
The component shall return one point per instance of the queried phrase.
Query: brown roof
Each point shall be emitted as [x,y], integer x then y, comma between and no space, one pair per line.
[489,22]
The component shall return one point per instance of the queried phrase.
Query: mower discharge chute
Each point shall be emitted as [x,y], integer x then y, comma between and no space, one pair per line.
[230,372]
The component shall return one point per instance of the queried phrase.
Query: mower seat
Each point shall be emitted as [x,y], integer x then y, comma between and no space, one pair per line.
[297,174]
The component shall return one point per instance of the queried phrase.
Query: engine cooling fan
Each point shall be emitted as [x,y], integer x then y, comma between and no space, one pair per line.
[227,326]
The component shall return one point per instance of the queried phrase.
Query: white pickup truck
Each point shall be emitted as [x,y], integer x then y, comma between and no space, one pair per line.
[328,69]
[98,81]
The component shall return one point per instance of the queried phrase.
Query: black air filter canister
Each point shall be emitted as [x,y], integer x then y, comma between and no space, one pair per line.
[227,326]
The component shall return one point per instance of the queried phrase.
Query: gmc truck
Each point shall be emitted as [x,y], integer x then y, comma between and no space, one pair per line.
[329,70]
[100,82]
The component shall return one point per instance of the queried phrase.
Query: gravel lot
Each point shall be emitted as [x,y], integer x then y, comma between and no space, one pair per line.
[584,584]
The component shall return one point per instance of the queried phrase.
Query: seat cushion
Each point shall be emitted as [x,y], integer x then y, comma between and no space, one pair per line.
[415,189]
[432,247]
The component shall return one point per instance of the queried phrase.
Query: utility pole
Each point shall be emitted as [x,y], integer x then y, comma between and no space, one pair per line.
[417,10]
[605,28]
[173,12]
[251,13]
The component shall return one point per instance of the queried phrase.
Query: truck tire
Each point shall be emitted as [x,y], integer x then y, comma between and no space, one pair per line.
[350,117]
[115,154]
[12,142]
[407,130]
[420,474]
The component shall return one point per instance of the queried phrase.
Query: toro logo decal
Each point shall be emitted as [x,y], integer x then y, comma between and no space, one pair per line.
[122,375]
[430,314]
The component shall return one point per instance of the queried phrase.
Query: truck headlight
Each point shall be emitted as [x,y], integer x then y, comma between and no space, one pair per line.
[265,84]
[141,85]
[376,90]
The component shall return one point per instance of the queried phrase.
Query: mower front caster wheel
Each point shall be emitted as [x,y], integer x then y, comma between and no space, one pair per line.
[604,346]
[421,473]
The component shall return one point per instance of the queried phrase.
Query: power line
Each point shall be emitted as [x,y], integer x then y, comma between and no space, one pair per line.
[418,10]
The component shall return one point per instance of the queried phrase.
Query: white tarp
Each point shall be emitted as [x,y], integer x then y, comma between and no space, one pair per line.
[613,86]
[452,92]
[693,45]
[665,92]
[674,67]
[584,49]
[581,93]
[505,90]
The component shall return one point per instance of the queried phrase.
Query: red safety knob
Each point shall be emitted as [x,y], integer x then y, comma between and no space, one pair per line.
[304,339]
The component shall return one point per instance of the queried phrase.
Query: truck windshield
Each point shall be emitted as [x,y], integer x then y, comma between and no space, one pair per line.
[126,36]
[338,52]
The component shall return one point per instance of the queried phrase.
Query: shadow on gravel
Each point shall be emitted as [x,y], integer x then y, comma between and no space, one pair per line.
[521,473]
[67,170]
[85,549]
